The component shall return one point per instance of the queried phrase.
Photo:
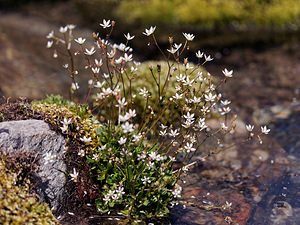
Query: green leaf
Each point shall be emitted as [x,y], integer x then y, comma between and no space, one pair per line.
[146,202]
[111,204]
[101,176]
[130,173]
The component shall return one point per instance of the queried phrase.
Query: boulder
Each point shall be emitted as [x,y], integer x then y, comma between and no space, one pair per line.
[48,147]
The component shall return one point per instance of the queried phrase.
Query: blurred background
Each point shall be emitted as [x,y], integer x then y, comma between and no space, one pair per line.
[258,39]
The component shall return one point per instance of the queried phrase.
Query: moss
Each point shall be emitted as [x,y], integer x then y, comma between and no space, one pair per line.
[212,13]
[144,78]
[17,204]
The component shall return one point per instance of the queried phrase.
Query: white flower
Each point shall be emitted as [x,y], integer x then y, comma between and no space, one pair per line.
[178,46]
[122,141]
[49,44]
[106,91]
[128,37]
[224,127]
[119,60]
[123,118]
[67,121]
[137,137]
[64,128]
[189,117]
[127,58]
[177,96]
[207,58]
[210,97]
[99,62]
[265,130]
[177,191]
[85,139]
[163,133]
[227,73]
[122,102]
[225,102]
[249,127]
[50,35]
[201,124]
[172,50]
[120,191]
[199,54]
[74,175]
[105,75]
[131,113]
[106,199]
[111,54]
[188,67]
[49,157]
[163,126]
[188,37]
[174,133]
[189,147]
[188,82]
[181,78]
[150,165]
[196,100]
[95,157]
[144,92]
[205,110]
[90,52]
[81,153]
[96,69]
[63,29]
[127,127]
[80,40]
[99,84]
[105,24]
[75,86]
[71,26]
[153,155]
[225,110]
[146,180]
[187,123]
[149,31]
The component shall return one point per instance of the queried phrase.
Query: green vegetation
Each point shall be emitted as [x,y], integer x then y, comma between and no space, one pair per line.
[17,205]
[212,13]
[150,71]
[202,13]
[135,181]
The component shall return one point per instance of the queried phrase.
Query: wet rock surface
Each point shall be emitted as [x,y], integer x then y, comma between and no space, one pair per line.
[35,136]
[260,180]
[27,67]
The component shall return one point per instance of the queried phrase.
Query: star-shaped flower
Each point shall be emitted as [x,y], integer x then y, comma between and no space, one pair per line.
[149,31]
[227,73]
[188,37]
[105,24]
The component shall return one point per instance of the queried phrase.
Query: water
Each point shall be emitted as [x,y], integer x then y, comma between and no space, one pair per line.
[261,181]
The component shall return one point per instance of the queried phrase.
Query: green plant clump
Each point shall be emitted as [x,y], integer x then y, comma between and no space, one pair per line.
[132,179]
[149,115]
[17,205]
[201,12]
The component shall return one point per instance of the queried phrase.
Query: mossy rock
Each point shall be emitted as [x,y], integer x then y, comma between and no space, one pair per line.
[17,204]
[144,78]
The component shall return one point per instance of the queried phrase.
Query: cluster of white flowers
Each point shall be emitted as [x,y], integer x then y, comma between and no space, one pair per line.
[177,191]
[114,195]
[195,95]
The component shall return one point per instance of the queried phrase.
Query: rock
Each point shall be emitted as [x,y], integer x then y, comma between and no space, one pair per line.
[35,136]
